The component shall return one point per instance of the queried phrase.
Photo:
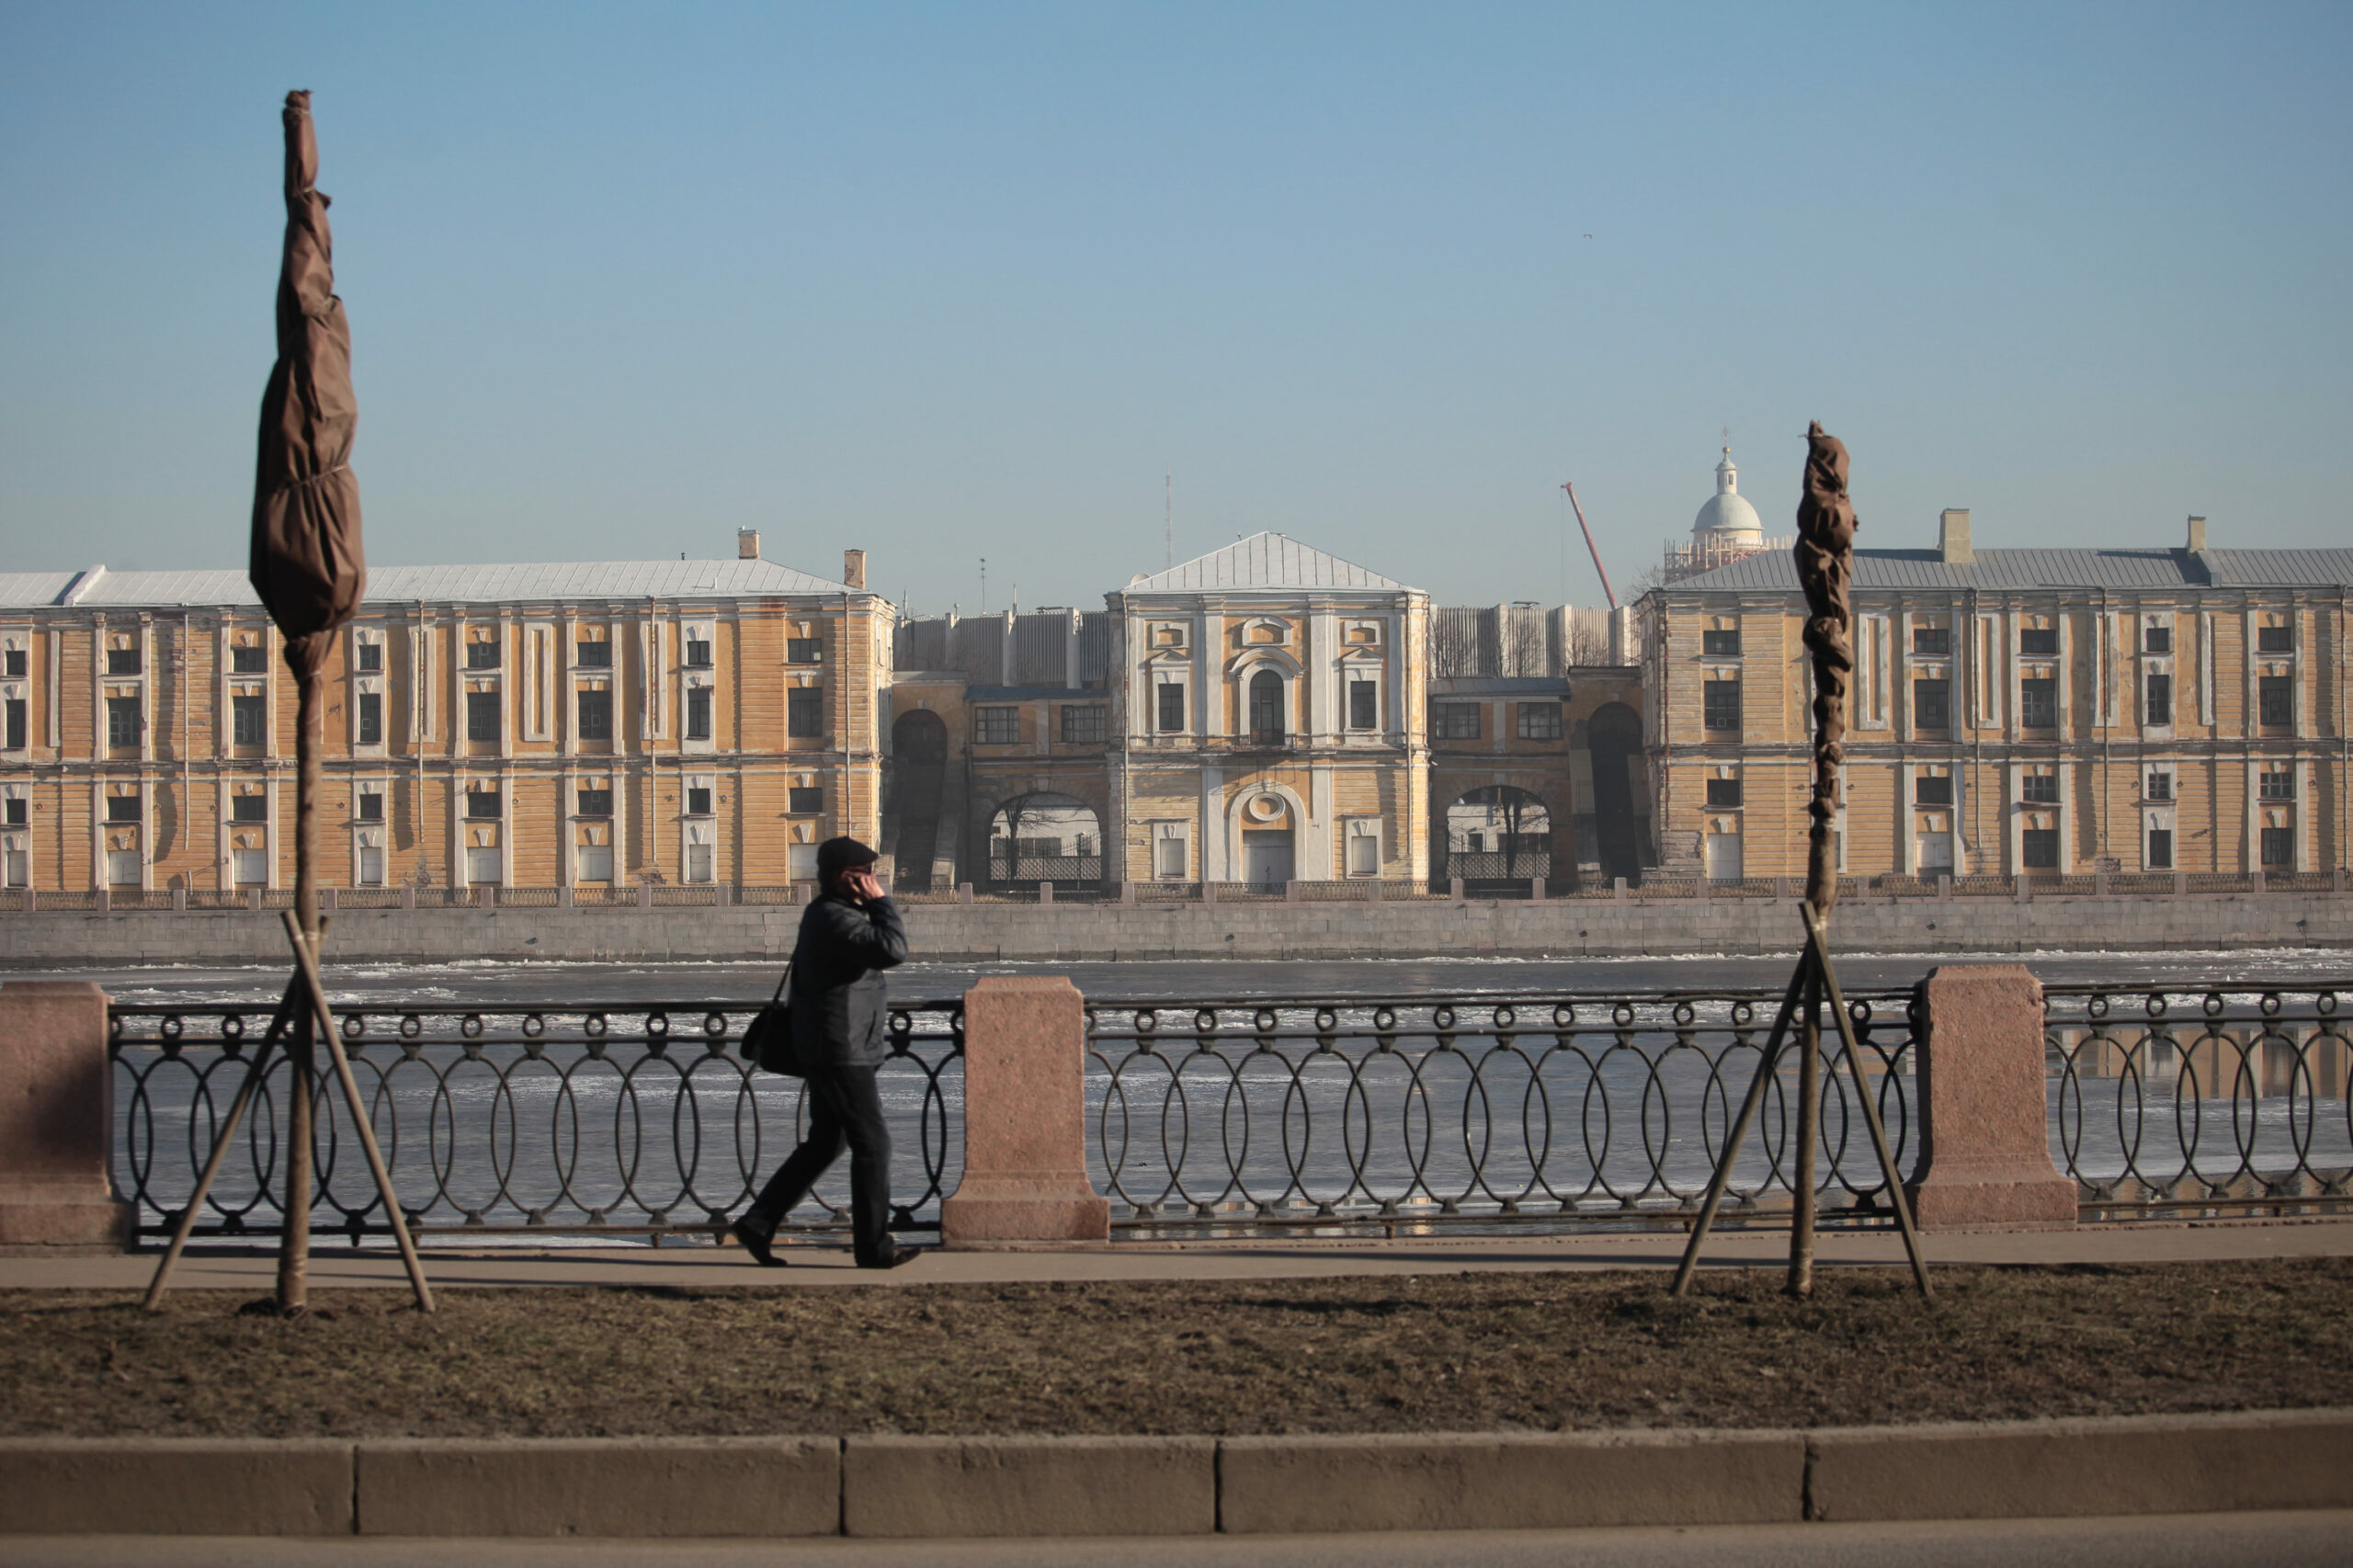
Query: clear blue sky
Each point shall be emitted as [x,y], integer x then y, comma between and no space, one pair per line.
[962,280]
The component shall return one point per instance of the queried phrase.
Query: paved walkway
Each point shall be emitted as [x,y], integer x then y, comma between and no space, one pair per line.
[333,1263]
[2316,1540]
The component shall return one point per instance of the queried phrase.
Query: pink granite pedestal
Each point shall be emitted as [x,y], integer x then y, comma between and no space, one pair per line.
[1984,1112]
[57,1120]
[1025,1120]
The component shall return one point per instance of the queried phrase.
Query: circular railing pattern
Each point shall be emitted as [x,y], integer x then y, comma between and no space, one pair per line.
[544,1118]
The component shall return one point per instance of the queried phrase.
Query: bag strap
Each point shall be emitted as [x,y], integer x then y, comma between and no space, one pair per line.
[780,982]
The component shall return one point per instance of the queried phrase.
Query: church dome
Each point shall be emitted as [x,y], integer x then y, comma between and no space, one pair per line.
[1727,518]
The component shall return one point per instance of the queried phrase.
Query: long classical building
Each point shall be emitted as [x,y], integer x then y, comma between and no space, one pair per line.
[586,726]
[2036,712]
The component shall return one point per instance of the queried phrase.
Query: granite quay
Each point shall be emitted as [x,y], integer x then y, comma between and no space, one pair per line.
[2006,1103]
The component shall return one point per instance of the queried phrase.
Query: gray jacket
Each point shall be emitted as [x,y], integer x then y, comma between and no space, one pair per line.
[839,1018]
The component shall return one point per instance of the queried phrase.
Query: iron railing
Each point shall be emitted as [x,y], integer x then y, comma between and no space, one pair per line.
[2208,1101]
[632,1119]
[1487,1111]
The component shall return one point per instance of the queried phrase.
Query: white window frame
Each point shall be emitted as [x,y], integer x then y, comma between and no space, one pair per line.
[1355,831]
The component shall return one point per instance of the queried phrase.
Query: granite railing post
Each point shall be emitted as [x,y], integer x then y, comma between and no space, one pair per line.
[1025,1120]
[57,1120]
[1983,1103]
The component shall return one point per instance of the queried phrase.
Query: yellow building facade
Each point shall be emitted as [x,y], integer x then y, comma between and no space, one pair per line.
[2036,712]
[586,726]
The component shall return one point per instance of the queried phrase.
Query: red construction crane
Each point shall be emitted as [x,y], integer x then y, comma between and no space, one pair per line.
[1597,566]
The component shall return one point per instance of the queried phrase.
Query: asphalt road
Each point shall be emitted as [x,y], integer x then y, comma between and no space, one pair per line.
[2316,1540]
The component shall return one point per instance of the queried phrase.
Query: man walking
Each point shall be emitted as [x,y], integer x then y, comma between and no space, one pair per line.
[848,937]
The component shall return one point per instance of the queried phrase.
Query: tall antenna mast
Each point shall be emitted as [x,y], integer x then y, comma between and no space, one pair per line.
[1167,521]
[984,585]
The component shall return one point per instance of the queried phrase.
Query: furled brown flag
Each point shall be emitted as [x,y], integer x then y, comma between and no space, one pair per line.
[1825,560]
[307,564]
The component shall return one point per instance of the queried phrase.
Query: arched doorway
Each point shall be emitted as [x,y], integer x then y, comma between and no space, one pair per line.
[1617,736]
[1497,838]
[1045,838]
[918,775]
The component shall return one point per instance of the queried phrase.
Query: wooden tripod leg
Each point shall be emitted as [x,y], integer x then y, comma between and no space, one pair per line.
[1895,1198]
[1738,1133]
[308,962]
[220,1139]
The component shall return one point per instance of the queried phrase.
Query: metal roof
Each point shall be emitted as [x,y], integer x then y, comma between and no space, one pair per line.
[440,584]
[2014,570]
[1264,561]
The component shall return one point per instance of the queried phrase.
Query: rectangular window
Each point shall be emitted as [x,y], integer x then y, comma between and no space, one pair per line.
[2039,788]
[2275,786]
[1720,704]
[801,862]
[1932,789]
[2157,639]
[1724,794]
[596,715]
[245,720]
[122,808]
[698,712]
[998,726]
[249,868]
[805,800]
[2275,639]
[482,655]
[482,715]
[698,801]
[1721,643]
[248,659]
[12,812]
[1458,720]
[1932,704]
[594,802]
[123,661]
[372,658]
[14,667]
[804,710]
[2041,847]
[1364,705]
[596,863]
[2161,850]
[122,868]
[15,738]
[2158,705]
[1168,859]
[248,808]
[370,805]
[371,865]
[372,719]
[2037,640]
[2160,786]
[1172,707]
[596,655]
[16,868]
[2039,702]
[804,650]
[483,803]
[2278,847]
[1364,855]
[697,653]
[481,865]
[1083,723]
[122,721]
[698,862]
[1936,640]
[1540,721]
[2275,697]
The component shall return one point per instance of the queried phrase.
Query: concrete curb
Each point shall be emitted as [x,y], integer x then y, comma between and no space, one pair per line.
[938,1487]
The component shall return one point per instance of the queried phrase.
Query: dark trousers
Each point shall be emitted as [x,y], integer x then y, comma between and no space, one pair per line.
[843,1108]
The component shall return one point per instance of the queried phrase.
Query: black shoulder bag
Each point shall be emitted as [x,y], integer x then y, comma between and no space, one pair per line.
[767,1038]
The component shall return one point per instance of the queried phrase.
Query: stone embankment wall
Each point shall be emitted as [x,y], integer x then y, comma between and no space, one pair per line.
[1069,932]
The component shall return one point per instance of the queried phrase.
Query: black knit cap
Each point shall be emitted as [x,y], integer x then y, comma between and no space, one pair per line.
[837,854]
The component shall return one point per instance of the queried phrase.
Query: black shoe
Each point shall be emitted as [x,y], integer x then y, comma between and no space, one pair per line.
[756,1243]
[894,1258]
